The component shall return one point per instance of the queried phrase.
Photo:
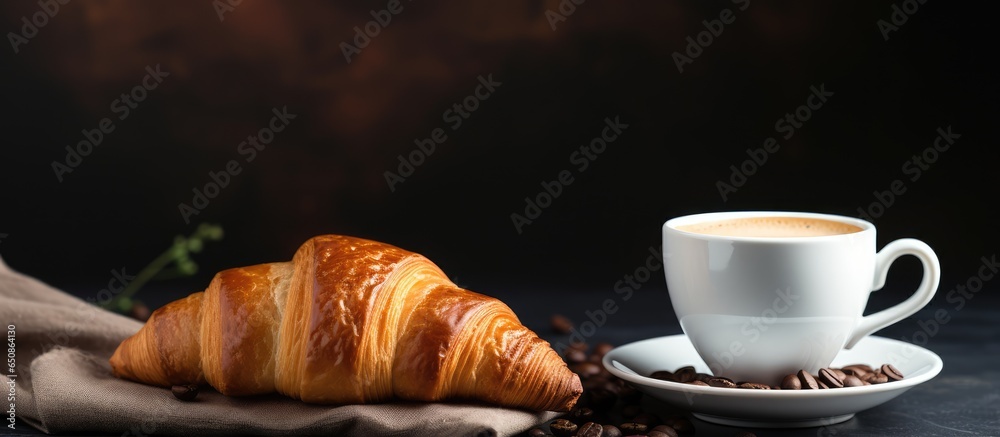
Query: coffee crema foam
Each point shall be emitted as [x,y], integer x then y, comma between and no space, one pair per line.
[771,227]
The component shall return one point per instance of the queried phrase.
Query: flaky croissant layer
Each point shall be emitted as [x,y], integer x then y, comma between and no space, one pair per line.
[348,321]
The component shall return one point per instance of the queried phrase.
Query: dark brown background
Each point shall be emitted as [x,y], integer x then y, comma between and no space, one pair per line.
[325,172]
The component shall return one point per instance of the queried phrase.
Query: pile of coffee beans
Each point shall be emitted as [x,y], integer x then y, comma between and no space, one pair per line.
[185,393]
[854,375]
[608,407]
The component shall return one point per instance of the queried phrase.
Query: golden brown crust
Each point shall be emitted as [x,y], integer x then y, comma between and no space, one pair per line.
[166,350]
[241,360]
[350,273]
[348,321]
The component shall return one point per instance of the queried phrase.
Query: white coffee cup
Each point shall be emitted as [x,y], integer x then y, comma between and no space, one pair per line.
[759,303]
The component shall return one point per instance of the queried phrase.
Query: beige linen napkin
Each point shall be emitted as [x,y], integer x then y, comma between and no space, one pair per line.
[64,385]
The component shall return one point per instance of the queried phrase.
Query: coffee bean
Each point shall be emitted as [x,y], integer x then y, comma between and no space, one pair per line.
[830,379]
[561,324]
[185,392]
[573,356]
[585,369]
[602,349]
[684,377]
[563,427]
[854,375]
[662,428]
[685,374]
[581,415]
[753,386]
[877,378]
[139,311]
[891,372]
[855,372]
[862,367]
[791,382]
[537,432]
[630,428]
[590,429]
[745,434]
[807,380]
[664,431]
[853,381]
[840,373]
[683,426]
[663,375]
[611,431]
[721,381]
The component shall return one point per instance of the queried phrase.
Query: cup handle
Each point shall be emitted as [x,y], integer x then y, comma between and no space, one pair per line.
[920,298]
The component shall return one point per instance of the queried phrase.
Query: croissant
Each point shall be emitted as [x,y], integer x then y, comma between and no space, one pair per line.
[348,321]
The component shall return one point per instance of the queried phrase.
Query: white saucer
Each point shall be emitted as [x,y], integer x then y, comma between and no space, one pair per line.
[769,408]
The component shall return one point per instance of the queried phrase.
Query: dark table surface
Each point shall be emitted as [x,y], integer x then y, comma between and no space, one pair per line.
[963,400]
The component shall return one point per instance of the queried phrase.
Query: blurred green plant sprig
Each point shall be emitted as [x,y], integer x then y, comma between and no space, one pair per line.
[175,262]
